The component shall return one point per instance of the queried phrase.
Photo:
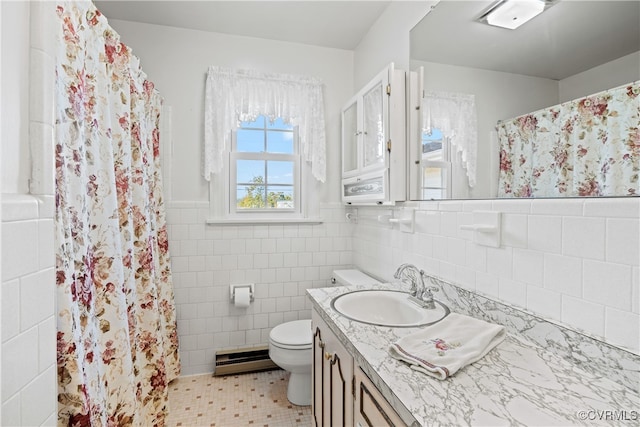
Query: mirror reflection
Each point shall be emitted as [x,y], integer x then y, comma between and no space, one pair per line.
[572,50]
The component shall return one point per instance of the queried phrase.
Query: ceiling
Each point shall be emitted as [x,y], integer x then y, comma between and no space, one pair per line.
[569,37]
[336,24]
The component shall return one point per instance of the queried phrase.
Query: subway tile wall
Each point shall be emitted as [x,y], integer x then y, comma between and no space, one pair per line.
[574,261]
[282,260]
[29,387]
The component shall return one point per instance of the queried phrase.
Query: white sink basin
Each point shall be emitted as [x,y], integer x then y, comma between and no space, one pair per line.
[386,308]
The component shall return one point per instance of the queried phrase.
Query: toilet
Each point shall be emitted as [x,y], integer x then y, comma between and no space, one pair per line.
[290,343]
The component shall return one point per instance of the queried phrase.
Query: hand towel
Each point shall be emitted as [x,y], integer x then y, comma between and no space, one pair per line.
[442,349]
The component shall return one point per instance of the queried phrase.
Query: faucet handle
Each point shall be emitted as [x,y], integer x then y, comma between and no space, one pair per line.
[427,293]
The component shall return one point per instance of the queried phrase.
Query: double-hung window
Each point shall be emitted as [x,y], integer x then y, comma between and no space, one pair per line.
[264,170]
[436,165]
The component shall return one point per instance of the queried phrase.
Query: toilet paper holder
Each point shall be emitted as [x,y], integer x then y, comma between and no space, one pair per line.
[232,290]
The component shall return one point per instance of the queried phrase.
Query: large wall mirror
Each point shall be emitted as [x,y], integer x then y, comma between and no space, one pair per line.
[574,49]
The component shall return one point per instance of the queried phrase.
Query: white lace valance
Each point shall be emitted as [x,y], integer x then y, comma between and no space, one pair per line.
[233,96]
[455,115]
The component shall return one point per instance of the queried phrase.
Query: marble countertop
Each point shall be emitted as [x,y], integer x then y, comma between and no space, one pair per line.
[520,382]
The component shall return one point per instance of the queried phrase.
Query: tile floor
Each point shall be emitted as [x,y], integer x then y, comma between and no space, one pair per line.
[252,399]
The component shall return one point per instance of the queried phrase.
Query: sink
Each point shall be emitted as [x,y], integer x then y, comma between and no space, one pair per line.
[386,308]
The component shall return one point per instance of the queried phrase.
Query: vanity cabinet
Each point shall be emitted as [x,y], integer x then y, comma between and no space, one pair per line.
[332,378]
[370,407]
[342,393]
[374,142]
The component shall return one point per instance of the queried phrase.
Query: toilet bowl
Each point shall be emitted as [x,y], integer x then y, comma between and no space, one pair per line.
[290,349]
[290,344]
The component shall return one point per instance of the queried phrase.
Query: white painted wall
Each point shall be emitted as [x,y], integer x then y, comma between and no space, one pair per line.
[176,60]
[14,152]
[388,40]
[612,74]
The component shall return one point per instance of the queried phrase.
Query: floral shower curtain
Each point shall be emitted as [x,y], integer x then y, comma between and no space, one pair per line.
[117,345]
[586,147]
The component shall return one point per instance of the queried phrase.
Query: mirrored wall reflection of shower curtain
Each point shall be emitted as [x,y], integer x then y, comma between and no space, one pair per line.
[117,345]
[586,147]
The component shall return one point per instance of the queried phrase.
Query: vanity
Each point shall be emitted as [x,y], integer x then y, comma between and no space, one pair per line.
[541,374]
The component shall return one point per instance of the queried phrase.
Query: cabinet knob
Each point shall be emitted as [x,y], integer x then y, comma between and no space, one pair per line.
[327,355]
[358,133]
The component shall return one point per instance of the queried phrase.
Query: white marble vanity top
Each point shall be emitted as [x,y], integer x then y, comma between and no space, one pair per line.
[523,381]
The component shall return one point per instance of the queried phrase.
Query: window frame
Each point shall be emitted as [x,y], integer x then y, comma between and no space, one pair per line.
[235,155]
[268,215]
[445,165]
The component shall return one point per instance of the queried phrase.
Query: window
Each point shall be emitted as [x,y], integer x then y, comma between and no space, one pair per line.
[260,169]
[264,169]
[436,165]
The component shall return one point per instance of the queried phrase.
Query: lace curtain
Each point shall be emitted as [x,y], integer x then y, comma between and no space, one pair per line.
[455,115]
[586,147]
[117,341]
[233,96]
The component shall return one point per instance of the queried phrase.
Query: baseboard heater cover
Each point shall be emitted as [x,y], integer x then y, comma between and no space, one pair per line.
[242,360]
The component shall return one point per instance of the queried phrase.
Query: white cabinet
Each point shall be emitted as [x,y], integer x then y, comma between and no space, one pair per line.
[332,378]
[374,142]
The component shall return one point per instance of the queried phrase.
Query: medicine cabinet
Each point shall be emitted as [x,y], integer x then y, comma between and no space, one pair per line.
[374,142]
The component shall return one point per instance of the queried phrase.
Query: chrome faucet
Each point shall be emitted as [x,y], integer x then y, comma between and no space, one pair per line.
[419,292]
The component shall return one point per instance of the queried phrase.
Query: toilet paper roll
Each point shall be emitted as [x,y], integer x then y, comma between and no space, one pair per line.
[242,297]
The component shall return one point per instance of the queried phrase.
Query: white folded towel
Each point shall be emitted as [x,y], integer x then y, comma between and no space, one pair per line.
[442,349]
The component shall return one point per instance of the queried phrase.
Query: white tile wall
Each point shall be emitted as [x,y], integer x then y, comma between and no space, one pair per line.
[29,386]
[572,261]
[282,260]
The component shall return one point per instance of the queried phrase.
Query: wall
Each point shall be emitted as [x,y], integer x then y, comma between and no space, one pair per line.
[282,260]
[606,76]
[29,387]
[15,97]
[388,40]
[572,261]
[176,60]
[1,169]
[29,380]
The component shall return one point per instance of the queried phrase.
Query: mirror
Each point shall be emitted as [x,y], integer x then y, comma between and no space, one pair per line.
[573,49]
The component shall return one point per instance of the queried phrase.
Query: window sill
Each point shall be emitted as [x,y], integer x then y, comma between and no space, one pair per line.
[259,221]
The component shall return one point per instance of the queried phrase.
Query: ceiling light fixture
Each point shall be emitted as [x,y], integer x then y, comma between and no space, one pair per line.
[513,13]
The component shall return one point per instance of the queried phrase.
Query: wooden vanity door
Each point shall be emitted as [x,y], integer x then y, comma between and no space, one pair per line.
[340,398]
[370,408]
[332,378]
[318,378]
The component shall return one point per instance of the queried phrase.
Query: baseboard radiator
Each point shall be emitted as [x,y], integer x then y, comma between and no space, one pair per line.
[241,360]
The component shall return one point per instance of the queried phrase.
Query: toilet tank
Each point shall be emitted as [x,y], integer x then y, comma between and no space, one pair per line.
[351,277]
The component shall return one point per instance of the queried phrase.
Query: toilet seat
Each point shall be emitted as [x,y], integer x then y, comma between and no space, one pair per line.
[295,335]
